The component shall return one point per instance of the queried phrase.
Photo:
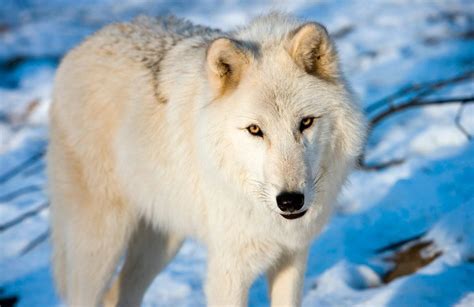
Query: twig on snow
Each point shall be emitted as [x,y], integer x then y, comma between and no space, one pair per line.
[422,90]
[20,192]
[414,103]
[23,217]
[19,168]
[35,242]
[457,121]
[410,104]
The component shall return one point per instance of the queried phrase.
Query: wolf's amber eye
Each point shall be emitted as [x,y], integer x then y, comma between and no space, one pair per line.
[255,130]
[306,123]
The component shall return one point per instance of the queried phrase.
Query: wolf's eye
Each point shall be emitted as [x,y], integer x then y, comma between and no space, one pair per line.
[306,123]
[255,130]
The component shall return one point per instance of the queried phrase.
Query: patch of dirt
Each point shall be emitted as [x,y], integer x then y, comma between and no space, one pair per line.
[7,301]
[410,258]
[4,28]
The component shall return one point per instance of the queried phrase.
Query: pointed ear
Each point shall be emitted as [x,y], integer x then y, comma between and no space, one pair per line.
[312,50]
[226,60]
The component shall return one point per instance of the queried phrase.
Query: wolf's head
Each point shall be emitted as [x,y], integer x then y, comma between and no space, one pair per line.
[281,121]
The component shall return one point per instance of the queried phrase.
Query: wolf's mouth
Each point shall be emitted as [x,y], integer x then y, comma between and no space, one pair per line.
[294,216]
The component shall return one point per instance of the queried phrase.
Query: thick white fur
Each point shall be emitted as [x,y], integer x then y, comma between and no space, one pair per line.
[144,153]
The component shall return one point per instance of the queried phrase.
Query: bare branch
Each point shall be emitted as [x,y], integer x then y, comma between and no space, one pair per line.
[423,89]
[19,168]
[458,123]
[23,217]
[34,169]
[35,242]
[413,103]
[400,243]
[20,192]
[379,166]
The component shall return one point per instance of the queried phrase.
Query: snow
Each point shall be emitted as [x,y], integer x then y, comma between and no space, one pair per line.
[383,45]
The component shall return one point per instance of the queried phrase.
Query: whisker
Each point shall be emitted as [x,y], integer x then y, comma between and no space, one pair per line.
[317,180]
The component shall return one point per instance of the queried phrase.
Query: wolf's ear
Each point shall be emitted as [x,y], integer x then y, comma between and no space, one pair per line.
[312,49]
[226,60]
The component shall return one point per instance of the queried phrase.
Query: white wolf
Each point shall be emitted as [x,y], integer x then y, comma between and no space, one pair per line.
[161,130]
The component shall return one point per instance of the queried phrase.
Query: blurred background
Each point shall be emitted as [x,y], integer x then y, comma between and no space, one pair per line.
[403,229]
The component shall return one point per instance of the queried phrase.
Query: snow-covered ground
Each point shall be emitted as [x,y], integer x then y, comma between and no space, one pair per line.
[384,46]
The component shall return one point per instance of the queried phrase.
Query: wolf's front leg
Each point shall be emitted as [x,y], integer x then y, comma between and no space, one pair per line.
[228,281]
[286,279]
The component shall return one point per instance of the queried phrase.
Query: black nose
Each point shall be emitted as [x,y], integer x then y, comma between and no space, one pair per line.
[290,201]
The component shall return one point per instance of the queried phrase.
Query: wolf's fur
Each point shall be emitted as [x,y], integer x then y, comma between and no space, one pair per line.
[149,145]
